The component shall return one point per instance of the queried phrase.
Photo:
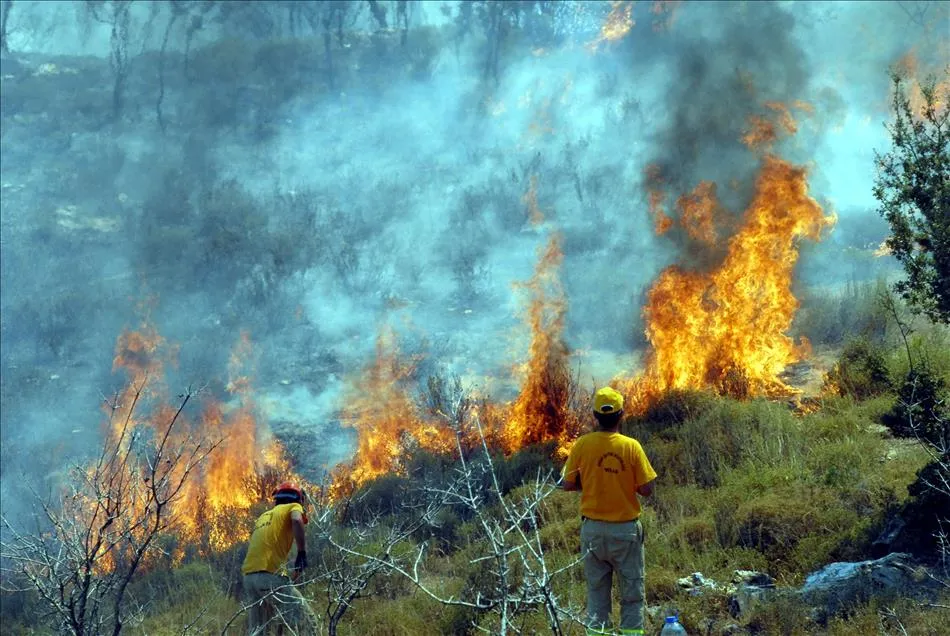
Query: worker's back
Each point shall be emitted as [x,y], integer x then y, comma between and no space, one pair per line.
[610,466]
[271,540]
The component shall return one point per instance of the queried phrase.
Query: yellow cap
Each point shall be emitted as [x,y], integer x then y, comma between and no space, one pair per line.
[606,400]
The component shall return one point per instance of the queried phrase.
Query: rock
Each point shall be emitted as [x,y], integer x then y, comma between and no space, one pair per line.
[696,584]
[889,538]
[748,596]
[751,588]
[752,577]
[840,585]
[915,526]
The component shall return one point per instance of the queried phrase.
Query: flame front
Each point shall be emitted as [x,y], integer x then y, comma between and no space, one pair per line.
[211,512]
[388,425]
[727,329]
[541,412]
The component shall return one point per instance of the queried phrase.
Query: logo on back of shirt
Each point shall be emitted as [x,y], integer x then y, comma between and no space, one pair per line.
[612,463]
[264,520]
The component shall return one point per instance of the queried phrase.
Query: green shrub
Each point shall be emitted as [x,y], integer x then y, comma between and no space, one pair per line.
[524,466]
[830,318]
[382,496]
[923,408]
[861,371]
[674,407]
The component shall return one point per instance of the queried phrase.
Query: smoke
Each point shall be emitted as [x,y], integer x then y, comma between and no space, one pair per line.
[402,200]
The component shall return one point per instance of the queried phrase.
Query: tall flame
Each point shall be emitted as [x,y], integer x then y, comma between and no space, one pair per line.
[541,412]
[236,476]
[727,328]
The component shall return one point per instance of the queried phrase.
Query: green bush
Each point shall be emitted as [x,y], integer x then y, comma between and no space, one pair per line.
[776,522]
[922,410]
[861,371]
[831,318]
[674,407]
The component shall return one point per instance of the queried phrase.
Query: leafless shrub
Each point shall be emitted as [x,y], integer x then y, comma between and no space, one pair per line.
[85,546]
[514,575]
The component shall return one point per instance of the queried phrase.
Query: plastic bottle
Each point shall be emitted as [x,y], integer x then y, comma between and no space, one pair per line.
[672,627]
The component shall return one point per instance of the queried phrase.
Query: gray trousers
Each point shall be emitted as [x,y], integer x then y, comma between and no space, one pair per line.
[274,600]
[608,548]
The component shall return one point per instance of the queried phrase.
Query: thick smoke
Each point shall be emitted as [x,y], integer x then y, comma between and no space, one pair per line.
[723,71]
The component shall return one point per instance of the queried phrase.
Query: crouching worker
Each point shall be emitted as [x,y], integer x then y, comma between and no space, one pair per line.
[272,597]
[611,470]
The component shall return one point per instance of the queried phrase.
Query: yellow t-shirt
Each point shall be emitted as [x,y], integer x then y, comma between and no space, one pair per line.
[271,540]
[611,467]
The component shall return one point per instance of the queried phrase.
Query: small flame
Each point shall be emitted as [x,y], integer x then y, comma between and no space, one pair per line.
[619,21]
[530,199]
[764,130]
[616,25]
[388,425]
[656,199]
[698,211]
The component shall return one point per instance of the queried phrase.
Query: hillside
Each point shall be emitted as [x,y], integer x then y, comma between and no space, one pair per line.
[389,250]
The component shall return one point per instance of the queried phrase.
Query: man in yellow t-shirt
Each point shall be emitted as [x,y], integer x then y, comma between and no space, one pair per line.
[611,470]
[272,596]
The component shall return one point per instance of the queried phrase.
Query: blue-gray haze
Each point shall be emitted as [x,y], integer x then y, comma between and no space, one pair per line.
[405,200]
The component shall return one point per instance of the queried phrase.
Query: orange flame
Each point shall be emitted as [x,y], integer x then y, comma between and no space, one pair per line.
[698,212]
[242,469]
[763,131]
[616,25]
[619,21]
[541,412]
[656,199]
[726,329]
[388,425]
[210,513]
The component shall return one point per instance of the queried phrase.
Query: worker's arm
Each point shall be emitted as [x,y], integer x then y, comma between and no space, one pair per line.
[573,484]
[571,473]
[300,537]
[646,490]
